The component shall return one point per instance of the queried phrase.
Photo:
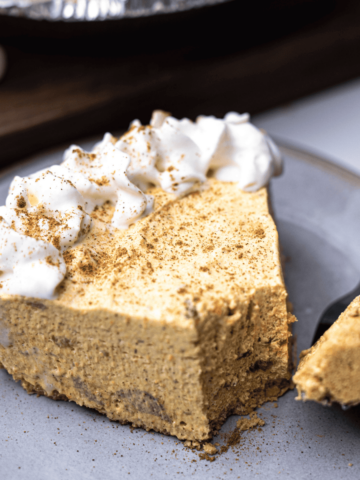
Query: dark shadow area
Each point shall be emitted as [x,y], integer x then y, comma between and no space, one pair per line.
[212,31]
[313,265]
[349,415]
[70,80]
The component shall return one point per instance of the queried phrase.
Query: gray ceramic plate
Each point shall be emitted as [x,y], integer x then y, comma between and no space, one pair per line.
[317,206]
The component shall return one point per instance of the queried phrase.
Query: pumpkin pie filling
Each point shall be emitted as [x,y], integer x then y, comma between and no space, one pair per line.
[171,324]
[329,371]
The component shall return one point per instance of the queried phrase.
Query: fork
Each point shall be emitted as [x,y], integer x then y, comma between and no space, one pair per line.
[333,311]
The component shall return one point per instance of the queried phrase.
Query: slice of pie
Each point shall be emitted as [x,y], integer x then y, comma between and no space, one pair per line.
[330,370]
[135,285]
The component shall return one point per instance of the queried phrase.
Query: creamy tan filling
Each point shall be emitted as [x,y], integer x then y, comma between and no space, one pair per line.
[330,370]
[172,325]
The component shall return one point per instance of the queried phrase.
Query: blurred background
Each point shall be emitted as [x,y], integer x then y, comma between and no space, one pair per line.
[77,68]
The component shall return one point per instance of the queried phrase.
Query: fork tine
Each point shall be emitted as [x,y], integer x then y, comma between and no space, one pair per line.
[333,311]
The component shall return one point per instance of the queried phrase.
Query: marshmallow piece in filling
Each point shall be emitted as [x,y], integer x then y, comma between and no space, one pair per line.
[102,176]
[29,267]
[47,206]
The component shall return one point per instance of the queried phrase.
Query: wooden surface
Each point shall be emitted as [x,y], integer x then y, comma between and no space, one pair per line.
[66,81]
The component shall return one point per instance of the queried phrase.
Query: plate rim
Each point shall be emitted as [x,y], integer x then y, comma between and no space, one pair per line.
[333,166]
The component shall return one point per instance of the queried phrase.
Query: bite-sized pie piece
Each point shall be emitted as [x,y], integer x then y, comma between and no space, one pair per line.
[135,285]
[330,370]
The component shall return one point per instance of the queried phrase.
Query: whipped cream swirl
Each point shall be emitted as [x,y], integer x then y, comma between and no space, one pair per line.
[48,206]
[234,150]
[176,155]
[29,267]
[102,177]
[49,211]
